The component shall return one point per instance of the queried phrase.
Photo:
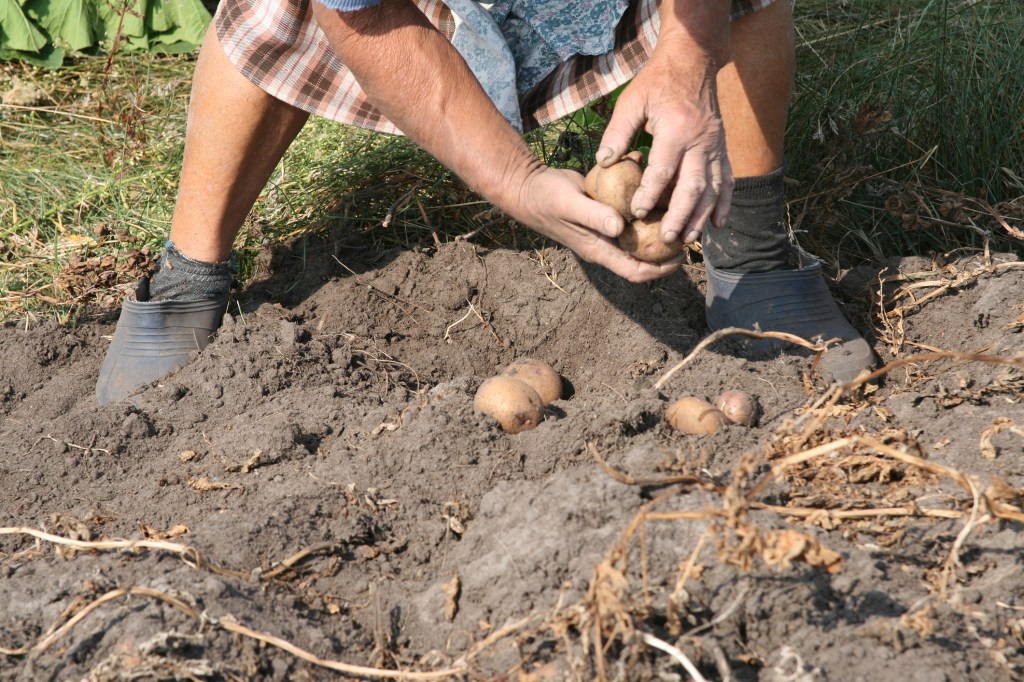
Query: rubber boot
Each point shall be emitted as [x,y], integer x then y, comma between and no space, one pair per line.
[152,339]
[792,301]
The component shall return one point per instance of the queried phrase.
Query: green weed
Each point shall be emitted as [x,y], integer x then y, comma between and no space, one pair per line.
[906,136]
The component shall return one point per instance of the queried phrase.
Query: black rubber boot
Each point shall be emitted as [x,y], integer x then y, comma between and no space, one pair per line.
[792,301]
[154,338]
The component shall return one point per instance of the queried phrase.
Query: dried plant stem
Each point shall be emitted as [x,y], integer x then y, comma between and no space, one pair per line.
[47,641]
[358,670]
[976,518]
[625,478]
[602,674]
[187,553]
[497,635]
[711,338]
[804,512]
[796,458]
[819,414]
[685,571]
[1012,360]
[229,624]
[675,653]
[682,515]
[285,564]
[190,555]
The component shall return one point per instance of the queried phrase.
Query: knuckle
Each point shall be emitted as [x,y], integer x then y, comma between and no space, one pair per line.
[696,186]
[660,174]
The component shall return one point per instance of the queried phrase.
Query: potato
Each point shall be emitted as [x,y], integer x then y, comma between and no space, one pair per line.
[615,185]
[694,416]
[738,407]
[515,405]
[538,375]
[642,240]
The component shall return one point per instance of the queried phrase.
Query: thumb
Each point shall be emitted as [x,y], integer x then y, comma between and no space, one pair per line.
[595,216]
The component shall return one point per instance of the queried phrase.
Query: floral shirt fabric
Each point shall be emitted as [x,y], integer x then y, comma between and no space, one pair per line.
[511,45]
[538,60]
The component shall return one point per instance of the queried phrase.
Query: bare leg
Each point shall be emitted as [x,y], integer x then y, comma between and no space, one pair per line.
[236,135]
[755,87]
[752,278]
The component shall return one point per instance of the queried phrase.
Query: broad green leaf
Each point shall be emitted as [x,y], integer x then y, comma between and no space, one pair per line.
[69,22]
[173,22]
[17,32]
[49,57]
[156,17]
[44,28]
[173,48]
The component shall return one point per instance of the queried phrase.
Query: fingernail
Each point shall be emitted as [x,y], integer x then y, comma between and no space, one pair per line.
[691,236]
[603,154]
[640,213]
[669,237]
[611,226]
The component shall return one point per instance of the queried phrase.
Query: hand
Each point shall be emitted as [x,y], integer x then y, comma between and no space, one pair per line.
[673,98]
[552,202]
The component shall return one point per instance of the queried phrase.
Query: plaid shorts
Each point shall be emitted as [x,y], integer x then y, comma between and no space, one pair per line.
[277,45]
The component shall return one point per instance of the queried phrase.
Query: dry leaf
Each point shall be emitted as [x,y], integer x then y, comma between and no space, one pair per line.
[384,426]
[867,468]
[783,547]
[884,413]
[871,118]
[188,456]
[151,533]
[608,594]
[919,621]
[549,672]
[204,485]
[452,590]
[249,464]
[822,518]
[451,512]
[988,450]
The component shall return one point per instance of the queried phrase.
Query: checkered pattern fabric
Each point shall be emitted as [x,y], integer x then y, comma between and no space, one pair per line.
[277,45]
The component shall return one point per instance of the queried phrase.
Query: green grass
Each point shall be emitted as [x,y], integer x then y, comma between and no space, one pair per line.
[946,81]
[88,177]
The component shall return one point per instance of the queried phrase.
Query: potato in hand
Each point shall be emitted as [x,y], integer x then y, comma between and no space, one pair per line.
[615,186]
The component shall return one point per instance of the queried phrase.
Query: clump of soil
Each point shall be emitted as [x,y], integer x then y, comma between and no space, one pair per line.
[318,474]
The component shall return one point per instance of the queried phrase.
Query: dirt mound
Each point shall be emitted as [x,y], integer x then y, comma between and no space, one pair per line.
[319,475]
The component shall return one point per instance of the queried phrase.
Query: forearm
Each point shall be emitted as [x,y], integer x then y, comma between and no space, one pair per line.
[413,75]
[697,29]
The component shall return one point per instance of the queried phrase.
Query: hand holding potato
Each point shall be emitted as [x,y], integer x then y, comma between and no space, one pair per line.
[673,98]
[553,203]
[615,186]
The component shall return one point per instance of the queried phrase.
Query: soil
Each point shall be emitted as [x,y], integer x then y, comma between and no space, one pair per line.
[323,462]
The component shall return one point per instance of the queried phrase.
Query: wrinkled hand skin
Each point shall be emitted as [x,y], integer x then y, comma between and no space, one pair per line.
[674,99]
[553,203]
[447,112]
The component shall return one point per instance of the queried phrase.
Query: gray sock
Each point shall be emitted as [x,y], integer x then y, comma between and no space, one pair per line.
[756,238]
[180,278]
